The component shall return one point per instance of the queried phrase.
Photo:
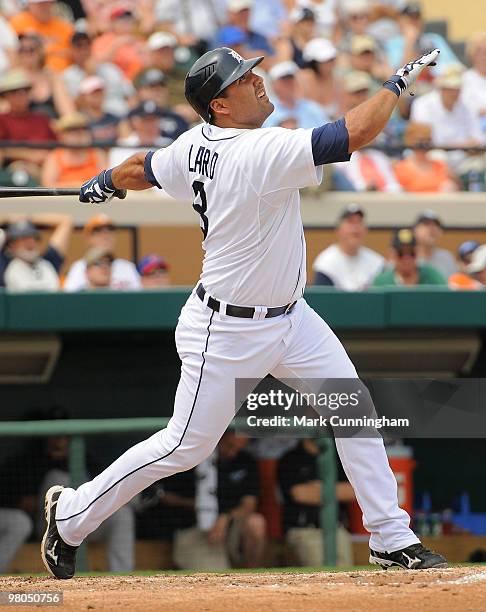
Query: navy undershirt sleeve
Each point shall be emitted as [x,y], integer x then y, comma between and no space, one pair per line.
[147,168]
[330,143]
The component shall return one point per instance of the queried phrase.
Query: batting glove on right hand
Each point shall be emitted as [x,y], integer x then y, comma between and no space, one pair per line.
[406,76]
[100,189]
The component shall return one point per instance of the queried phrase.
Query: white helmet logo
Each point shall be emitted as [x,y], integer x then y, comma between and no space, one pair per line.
[236,55]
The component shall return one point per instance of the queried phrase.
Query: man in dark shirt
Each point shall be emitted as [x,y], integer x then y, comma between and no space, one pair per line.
[213,508]
[301,490]
[22,265]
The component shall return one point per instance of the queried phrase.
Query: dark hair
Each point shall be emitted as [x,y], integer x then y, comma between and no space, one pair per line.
[39,43]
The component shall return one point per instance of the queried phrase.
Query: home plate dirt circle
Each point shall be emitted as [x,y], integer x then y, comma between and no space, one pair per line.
[458,589]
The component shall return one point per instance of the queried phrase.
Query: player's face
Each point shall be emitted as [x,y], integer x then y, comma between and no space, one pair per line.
[244,105]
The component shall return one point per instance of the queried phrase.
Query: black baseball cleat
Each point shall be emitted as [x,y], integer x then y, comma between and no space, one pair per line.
[58,557]
[414,557]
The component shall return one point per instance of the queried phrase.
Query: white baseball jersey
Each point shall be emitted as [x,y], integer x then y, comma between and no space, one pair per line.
[245,184]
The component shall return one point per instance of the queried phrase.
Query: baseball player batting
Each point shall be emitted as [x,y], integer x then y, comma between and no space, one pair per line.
[246,318]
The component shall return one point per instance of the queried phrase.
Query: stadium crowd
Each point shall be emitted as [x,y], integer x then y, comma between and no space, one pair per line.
[91,73]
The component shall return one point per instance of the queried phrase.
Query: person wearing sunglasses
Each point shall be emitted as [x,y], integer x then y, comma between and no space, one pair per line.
[404,269]
[100,233]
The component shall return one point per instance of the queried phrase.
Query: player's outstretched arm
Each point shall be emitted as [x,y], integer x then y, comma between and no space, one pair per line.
[366,121]
[113,183]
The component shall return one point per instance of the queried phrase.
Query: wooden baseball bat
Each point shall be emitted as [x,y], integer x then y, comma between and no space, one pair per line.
[22,192]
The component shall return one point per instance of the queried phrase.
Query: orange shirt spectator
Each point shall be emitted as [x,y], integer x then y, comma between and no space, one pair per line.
[413,177]
[419,172]
[56,33]
[72,167]
[122,45]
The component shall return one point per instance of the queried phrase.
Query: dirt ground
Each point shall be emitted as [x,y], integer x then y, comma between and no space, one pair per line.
[460,589]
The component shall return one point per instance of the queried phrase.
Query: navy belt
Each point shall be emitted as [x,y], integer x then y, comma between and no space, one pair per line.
[244,312]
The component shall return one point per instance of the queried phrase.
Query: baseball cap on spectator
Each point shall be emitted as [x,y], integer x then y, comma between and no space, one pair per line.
[97,222]
[361,44]
[319,50]
[478,261]
[149,77]
[21,229]
[231,35]
[403,238]
[98,254]
[302,14]
[149,264]
[451,77]
[73,121]
[283,69]
[239,5]
[159,40]
[413,9]
[80,38]
[356,7]
[427,216]
[466,248]
[350,210]
[146,109]
[357,81]
[14,80]
[91,84]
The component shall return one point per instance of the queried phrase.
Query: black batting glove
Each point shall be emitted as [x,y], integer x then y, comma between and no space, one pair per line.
[100,189]
[406,76]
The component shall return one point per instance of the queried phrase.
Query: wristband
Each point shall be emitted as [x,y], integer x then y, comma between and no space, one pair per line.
[392,84]
[108,180]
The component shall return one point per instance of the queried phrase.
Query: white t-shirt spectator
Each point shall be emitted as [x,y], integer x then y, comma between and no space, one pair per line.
[449,128]
[124,276]
[347,272]
[8,43]
[370,165]
[23,276]
[473,92]
[202,19]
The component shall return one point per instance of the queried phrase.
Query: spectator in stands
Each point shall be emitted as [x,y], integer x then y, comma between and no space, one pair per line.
[308,114]
[368,169]
[404,269]
[453,123]
[100,232]
[239,16]
[39,18]
[161,47]
[145,124]
[195,23]
[154,272]
[66,167]
[477,267]
[219,502]
[326,16]
[118,89]
[48,93]
[364,56]
[465,253]
[413,41]
[23,267]
[318,81]
[268,18]
[151,85]
[428,232]
[347,264]
[91,101]
[461,280]
[121,44]
[8,45]
[419,171]
[355,21]
[21,124]
[302,30]
[99,268]
[473,91]
[300,485]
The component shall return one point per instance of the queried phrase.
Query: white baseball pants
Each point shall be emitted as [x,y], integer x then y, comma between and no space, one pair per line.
[215,349]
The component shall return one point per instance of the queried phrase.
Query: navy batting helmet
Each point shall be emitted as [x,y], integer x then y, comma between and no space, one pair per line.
[212,73]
